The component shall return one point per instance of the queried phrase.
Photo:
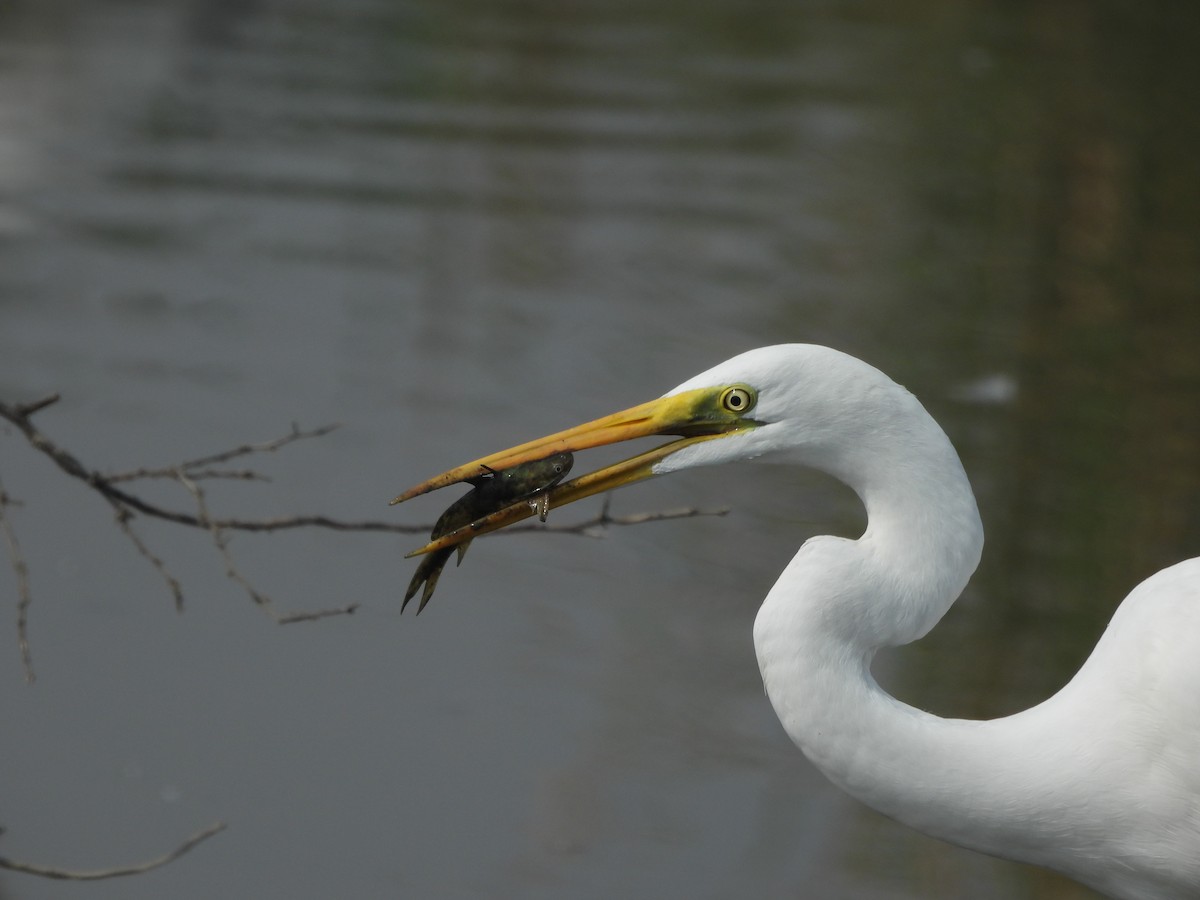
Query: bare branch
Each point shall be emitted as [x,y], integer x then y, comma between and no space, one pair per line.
[24,596]
[98,874]
[104,484]
[119,489]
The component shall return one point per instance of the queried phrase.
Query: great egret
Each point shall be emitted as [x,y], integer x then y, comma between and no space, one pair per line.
[1101,782]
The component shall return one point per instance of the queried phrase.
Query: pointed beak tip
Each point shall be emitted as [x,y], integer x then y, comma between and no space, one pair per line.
[407,495]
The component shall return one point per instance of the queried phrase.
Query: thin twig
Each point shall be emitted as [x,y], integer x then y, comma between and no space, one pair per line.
[123,517]
[222,544]
[603,519]
[296,434]
[293,618]
[194,467]
[28,409]
[98,874]
[24,595]
[221,541]
[195,475]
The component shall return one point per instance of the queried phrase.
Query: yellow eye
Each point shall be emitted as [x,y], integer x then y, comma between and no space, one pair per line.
[739,399]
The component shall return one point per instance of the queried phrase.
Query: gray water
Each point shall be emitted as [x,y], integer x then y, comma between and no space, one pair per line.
[454,226]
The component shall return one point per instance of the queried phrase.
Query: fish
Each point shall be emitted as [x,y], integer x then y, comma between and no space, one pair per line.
[492,490]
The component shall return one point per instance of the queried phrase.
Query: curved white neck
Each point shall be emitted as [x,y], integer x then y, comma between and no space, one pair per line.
[839,601]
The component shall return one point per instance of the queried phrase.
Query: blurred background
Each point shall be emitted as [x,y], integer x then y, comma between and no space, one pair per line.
[452,226]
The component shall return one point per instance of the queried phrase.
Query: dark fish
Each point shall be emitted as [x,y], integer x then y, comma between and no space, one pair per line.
[493,490]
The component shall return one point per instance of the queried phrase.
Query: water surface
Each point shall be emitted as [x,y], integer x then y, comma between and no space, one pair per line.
[454,226]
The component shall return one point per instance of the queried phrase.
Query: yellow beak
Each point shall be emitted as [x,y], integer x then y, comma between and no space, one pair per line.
[696,415]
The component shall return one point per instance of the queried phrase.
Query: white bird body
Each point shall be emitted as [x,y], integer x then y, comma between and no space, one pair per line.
[1100,782]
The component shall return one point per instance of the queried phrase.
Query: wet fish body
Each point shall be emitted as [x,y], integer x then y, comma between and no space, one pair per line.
[491,491]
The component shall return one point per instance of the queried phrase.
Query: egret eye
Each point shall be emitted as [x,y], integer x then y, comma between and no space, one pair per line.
[738,399]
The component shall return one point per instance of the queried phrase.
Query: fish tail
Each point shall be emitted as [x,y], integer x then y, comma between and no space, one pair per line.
[427,594]
[428,573]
